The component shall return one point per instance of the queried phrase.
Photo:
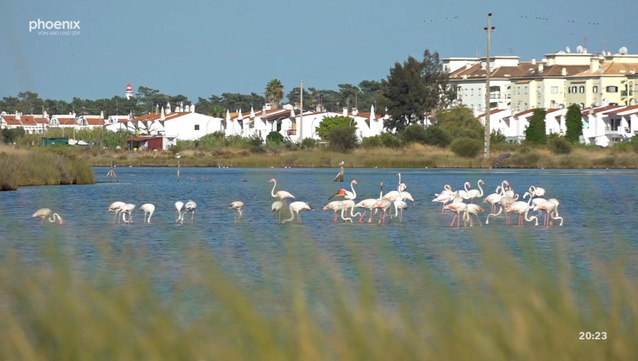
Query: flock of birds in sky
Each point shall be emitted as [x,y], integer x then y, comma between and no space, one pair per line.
[389,205]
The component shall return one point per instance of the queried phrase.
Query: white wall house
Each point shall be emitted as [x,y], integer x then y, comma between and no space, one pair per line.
[184,124]
[32,124]
[555,121]
[595,125]
[514,126]
[496,120]
[368,124]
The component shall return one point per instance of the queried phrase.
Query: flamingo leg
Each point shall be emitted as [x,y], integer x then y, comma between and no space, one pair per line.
[458,220]
[335,219]
[361,219]
[479,220]
[371,214]
[453,219]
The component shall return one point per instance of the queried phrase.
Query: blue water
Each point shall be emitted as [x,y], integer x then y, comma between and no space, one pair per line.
[598,206]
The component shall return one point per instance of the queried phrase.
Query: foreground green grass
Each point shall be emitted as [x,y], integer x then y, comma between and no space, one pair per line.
[501,307]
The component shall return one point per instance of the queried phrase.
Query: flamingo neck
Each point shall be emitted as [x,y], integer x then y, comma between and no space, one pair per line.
[273,188]
[292,216]
[480,189]
[354,193]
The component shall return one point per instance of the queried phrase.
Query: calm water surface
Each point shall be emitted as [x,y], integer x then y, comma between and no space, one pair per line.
[599,207]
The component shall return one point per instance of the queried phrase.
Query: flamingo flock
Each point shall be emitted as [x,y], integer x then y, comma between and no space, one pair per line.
[503,200]
[464,202]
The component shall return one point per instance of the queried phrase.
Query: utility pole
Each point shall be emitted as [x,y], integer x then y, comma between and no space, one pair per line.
[301,114]
[489,29]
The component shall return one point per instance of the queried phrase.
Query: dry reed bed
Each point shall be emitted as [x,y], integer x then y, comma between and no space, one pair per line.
[498,309]
[28,168]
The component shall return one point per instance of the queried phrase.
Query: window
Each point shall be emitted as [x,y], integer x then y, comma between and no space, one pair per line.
[518,90]
[574,90]
[554,90]
[472,92]
[612,89]
[595,89]
[581,89]
[526,108]
[525,90]
[196,126]
[480,107]
[479,91]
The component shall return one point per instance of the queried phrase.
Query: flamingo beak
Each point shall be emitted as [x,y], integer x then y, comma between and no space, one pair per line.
[61,221]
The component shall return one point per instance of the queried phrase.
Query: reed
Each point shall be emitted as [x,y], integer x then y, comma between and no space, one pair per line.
[500,307]
[29,168]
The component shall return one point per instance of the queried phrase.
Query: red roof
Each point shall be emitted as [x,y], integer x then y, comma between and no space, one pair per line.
[24,120]
[141,139]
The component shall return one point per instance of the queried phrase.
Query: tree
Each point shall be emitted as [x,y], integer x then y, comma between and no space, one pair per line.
[416,88]
[436,136]
[414,133]
[535,132]
[574,123]
[466,147]
[459,122]
[274,138]
[274,93]
[328,123]
[343,138]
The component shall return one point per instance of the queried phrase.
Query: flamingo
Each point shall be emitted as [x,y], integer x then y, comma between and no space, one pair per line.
[297,207]
[551,210]
[190,207]
[149,209]
[399,206]
[116,208]
[127,209]
[348,204]
[369,204]
[394,195]
[277,207]
[444,197]
[536,191]
[476,193]
[43,213]
[347,194]
[335,206]
[505,202]
[383,204]
[522,208]
[279,194]
[494,198]
[473,209]
[457,207]
[237,206]
[464,193]
[178,208]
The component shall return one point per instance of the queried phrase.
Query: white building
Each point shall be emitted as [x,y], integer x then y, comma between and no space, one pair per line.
[604,126]
[32,124]
[184,124]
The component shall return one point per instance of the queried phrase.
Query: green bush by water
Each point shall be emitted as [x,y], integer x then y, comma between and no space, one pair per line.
[43,168]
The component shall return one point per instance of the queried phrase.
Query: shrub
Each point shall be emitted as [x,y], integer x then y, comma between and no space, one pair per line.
[274,138]
[175,149]
[535,132]
[308,143]
[256,141]
[559,145]
[466,147]
[343,139]
[257,149]
[372,142]
[436,136]
[413,133]
[497,137]
[390,140]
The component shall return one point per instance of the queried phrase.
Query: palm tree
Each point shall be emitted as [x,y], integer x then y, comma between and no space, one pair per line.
[274,92]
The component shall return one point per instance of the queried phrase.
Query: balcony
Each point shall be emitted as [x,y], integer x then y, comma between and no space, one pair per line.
[623,93]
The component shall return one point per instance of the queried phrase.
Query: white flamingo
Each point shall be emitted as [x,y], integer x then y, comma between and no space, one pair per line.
[237,206]
[464,193]
[43,213]
[476,193]
[505,202]
[522,208]
[444,197]
[345,193]
[297,207]
[116,208]
[179,205]
[458,208]
[349,204]
[148,209]
[495,197]
[190,206]
[551,210]
[277,207]
[127,209]
[537,191]
[369,204]
[282,195]
[335,206]
[472,209]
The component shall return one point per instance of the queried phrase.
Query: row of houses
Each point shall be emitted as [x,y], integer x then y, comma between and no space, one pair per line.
[602,126]
[558,80]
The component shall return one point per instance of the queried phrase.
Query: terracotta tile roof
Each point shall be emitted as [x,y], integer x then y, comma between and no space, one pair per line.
[153,117]
[611,68]
[629,110]
[601,110]
[476,72]
[367,115]
[492,112]
[525,113]
[25,120]
[94,120]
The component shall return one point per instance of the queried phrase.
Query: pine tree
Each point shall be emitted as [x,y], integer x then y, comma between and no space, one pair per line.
[535,132]
[574,123]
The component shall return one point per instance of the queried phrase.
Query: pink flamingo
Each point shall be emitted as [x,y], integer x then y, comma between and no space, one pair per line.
[551,210]
[116,208]
[297,207]
[444,197]
[473,209]
[476,193]
[237,206]
[505,202]
[280,194]
[456,207]
[334,206]
[369,204]
[522,208]
[43,213]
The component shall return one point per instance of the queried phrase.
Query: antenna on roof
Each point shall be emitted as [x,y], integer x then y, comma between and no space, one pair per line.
[580,49]
[568,50]
[623,50]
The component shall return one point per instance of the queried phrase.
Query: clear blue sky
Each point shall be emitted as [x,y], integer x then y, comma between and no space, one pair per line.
[198,48]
